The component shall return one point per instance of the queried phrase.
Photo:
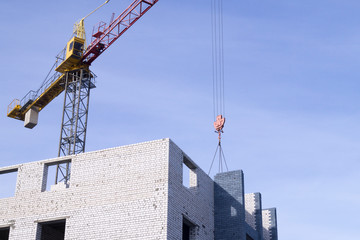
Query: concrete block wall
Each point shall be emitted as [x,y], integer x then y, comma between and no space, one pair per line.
[194,204]
[253,215]
[250,207]
[239,216]
[118,193]
[270,224]
[135,192]
[229,206]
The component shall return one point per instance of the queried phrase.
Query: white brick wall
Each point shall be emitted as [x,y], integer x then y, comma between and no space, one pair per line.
[250,209]
[196,204]
[129,192]
[266,216]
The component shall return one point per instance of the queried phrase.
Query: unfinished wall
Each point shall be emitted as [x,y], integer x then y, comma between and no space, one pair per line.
[194,204]
[239,216]
[229,206]
[270,224]
[133,192]
[253,215]
[118,193]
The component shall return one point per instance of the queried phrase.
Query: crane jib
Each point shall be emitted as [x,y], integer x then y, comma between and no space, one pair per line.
[102,39]
[105,36]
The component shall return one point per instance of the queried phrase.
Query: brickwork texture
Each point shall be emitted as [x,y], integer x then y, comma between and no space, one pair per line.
[134,192]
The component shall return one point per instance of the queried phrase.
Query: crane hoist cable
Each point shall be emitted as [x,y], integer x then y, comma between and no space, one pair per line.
[218,77]
[218,57]
[68,59]
[71,74]
[79,27]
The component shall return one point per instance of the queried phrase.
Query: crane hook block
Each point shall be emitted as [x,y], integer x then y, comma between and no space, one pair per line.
[219,123]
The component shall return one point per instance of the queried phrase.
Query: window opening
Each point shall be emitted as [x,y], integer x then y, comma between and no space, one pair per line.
[8,183]
[186,176]
[248,237]
[78,46]
[189,176]
[4,233]
[233,211]
[57,175]
[76,54]
[188,230]
[54,230]
[71,46]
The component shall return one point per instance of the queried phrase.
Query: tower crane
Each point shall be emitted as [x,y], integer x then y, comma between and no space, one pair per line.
[71,74]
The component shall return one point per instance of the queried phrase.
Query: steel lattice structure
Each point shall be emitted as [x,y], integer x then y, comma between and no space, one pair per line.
[78,84]
[104,36]
[72,76]
[63,173]
[75,111]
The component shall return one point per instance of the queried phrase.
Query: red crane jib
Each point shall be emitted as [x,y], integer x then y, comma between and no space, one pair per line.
[105,36]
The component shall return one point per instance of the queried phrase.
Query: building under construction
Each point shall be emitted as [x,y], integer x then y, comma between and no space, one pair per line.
[132,192]
[138,191]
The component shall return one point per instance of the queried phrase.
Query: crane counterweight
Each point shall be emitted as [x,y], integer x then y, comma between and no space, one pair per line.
[75,57]
[31,118]
[72,75]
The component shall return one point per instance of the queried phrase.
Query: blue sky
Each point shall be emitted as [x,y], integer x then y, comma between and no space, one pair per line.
[292,102]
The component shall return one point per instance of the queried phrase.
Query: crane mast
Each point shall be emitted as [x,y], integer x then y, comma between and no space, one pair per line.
[73,77]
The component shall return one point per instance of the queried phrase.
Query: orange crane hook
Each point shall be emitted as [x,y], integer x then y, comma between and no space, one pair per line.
[219,125]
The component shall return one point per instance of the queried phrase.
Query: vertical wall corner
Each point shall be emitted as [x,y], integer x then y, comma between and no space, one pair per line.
[229,211]
[270,224]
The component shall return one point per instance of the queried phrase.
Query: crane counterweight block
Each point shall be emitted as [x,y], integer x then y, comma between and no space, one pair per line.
[71,74]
